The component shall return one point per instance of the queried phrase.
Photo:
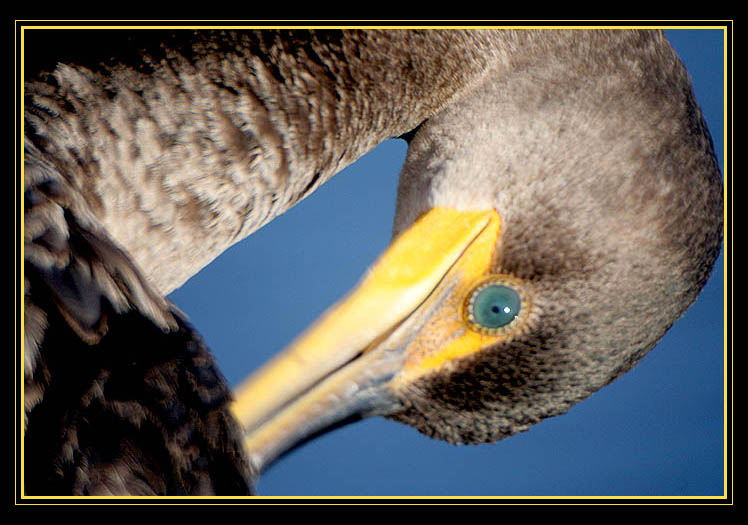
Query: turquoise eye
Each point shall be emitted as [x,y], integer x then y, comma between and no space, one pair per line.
[494,306]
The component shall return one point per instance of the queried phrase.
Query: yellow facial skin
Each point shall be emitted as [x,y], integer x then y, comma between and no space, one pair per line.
[446,335]
[406,318]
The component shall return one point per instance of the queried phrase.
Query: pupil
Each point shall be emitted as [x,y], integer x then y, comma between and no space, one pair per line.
[495,309]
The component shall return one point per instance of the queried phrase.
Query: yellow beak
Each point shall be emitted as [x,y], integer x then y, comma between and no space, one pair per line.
[349,363]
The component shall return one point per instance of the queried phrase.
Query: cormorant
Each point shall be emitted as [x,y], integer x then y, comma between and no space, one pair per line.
[576,108]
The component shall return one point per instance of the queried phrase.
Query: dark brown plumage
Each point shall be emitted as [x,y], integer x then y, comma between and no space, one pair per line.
[122,395]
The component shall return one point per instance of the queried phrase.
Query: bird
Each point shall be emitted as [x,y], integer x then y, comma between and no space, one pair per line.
[453,397]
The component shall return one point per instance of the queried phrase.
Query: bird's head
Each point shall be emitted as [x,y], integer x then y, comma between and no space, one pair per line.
[551,226]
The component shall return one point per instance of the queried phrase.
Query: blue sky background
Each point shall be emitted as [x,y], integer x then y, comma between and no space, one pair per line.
[658,430]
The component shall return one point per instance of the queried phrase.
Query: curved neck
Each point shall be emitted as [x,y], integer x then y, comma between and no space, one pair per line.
[200,138]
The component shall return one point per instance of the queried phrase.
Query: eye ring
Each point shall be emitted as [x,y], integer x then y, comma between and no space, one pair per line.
[497,305]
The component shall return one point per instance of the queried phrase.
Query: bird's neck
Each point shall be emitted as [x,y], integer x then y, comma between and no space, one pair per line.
[201,143]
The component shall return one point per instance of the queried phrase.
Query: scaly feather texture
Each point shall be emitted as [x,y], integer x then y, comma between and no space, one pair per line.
[148,153]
